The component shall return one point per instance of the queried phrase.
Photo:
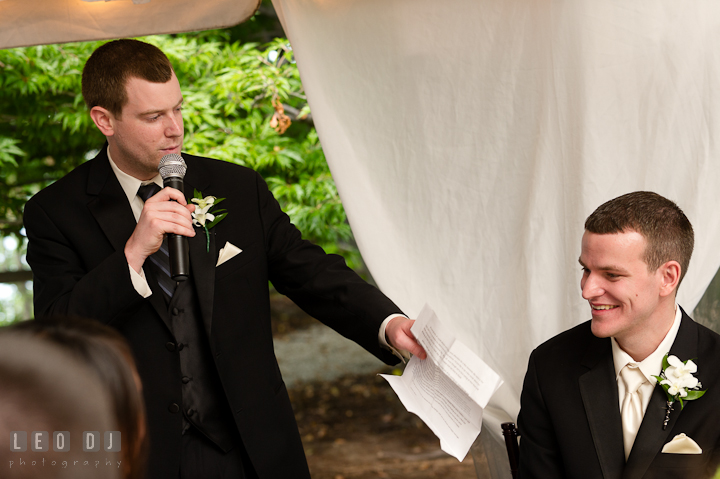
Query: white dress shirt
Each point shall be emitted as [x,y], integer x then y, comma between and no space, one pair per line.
[130,186]
[650,366]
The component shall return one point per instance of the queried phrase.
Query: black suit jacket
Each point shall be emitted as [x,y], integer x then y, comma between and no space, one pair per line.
[570,418]
[77,230]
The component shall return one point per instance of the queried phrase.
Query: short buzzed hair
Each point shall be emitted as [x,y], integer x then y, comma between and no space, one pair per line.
[661,222]
[109,68]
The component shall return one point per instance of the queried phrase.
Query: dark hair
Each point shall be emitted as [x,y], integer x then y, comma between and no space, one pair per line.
[107,353]
[662,223]
[109,68]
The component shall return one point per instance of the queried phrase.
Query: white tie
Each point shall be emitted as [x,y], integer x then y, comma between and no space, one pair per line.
[632,407]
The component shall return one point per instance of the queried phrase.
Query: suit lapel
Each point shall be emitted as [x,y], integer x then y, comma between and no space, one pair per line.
[600,399]
[111,210]
[651,437]
[157,300]
[202,256]
[109,204]
[203,273]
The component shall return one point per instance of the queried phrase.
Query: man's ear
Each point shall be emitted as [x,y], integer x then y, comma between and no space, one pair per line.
[103,119]
[669,277]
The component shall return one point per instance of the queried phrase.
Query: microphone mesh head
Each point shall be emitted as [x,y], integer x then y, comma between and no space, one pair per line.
[172,165]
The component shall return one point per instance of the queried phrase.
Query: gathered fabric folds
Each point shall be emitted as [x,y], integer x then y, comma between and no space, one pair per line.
[470,139]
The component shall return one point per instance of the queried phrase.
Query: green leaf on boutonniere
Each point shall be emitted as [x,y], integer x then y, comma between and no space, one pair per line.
[204,215]
[694,395]
[218,217]
[678,382]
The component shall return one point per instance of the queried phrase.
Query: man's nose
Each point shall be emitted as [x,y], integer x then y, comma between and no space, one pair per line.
[591,287]
[174,126]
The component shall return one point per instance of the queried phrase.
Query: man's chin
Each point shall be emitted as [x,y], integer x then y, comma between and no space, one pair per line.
[600,328]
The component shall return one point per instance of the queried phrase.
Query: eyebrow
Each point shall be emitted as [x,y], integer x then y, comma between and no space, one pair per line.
[605,268]
[150,112]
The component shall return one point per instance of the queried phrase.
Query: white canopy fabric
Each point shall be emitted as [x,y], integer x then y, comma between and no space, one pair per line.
[470,139]
[35,22]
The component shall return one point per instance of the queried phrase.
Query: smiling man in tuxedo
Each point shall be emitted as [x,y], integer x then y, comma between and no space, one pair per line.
[590,405]
[216,402]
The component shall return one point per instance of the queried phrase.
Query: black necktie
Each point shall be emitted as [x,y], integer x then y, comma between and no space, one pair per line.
[160,260]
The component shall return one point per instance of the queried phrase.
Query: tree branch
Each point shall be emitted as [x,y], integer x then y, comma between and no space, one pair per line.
[16,276]
[294,112]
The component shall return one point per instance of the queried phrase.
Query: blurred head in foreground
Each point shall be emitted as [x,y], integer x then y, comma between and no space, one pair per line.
[44,388]
[107,354]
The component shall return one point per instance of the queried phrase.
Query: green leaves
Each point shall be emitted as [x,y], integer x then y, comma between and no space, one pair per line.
[229,88]
[44,128]
[693,395]
[9,150]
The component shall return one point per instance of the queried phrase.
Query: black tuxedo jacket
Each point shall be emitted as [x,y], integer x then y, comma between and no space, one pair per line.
[77,230]
[570,419]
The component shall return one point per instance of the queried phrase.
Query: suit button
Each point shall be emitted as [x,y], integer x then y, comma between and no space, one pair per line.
[175,311]
[191,412]
[185,380]
[174,408]
[180,346]
[170,346]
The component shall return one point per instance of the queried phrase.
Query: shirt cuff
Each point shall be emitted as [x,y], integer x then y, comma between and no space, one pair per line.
[403,354]
[139,282]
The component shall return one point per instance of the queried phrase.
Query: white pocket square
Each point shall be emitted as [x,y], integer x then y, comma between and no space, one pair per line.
[682,444]
[227,252]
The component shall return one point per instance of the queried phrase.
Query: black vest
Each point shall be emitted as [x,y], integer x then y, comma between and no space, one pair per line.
[204,404]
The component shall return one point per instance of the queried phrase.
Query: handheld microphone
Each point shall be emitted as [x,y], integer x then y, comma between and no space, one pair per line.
[172,169]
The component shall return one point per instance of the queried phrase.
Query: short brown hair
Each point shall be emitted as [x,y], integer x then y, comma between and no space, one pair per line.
[662,223]
[109,68]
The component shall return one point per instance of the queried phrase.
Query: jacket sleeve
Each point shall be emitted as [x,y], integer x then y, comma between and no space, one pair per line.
[322,284]
[63,281]
[539,451]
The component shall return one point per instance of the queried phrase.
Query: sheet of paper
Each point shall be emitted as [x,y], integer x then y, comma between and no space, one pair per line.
[449,389]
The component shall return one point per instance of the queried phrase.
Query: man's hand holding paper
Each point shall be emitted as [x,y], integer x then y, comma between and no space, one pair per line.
[400,336]
[449,389]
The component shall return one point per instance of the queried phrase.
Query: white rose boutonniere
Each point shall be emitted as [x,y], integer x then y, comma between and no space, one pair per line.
[678,382]
[202,216]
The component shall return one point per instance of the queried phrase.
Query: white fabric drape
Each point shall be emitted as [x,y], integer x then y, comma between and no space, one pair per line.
[470,139]
[36,22]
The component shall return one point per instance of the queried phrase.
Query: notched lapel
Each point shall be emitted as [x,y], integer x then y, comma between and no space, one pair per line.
[109,205]
[598,389]
[202,261]
[156,299]
[111,210]
[203,273]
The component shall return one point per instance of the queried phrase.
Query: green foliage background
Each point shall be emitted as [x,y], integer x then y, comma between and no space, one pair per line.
[229,87]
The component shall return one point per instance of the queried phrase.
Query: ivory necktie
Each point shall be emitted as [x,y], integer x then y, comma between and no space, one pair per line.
[161,258]
[632,407]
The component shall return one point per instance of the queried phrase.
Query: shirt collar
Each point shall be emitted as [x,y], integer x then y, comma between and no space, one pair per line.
[652,365]
[130,184]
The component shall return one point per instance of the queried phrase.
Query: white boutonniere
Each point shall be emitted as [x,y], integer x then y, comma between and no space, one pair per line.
[202,216]
[678,382]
